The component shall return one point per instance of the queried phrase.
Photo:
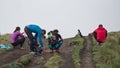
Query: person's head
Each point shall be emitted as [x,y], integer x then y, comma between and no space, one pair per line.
[49,32]
[56,31]
[17,29]
[43,31]
[100,25]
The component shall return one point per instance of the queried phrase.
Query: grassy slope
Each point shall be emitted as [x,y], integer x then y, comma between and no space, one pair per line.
[56,59]
[4,39]
[108,56]
[77,42]
[19,63]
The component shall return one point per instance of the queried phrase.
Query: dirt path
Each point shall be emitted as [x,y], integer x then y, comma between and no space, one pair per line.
[36,64]
[66,54]
[86,54]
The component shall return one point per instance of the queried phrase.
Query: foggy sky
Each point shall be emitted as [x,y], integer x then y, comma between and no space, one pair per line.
[65,15]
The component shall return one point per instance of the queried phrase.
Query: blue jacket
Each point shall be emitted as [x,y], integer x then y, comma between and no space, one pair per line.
[38,33]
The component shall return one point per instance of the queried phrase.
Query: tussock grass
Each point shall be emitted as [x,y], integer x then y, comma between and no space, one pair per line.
[16,65]
[77,42]
[19,63]
[108,56]
[22,61]
[40,60]
[26,59]
[54,61]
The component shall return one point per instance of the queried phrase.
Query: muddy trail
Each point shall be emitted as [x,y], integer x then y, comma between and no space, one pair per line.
[14,54]
[45,56]
[86,54]
[65,52]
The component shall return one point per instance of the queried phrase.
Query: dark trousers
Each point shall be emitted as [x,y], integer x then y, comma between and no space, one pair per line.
[19,42]
[32,42]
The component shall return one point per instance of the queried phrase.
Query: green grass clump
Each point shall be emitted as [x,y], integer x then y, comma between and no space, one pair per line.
[108,56]
[54,62]
[40,60]
[26,59]
[21,62]
[16,65]
[77,42]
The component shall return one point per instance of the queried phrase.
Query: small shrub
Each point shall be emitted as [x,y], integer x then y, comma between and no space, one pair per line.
[25,59]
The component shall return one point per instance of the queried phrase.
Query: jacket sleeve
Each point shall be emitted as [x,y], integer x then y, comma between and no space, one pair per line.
[93,32]
[40,40]
[20,34]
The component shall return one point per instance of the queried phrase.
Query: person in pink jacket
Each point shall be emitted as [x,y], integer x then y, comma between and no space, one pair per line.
[17,38]
[100,34]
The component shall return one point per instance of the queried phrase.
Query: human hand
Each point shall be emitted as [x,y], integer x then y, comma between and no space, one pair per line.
[23,32]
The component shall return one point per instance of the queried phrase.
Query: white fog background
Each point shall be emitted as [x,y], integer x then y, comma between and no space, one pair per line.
[65,15]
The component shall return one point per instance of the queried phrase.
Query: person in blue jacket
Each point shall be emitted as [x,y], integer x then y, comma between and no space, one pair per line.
[34,40]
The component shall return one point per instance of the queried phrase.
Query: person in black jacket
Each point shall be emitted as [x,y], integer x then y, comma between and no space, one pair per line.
[55,40]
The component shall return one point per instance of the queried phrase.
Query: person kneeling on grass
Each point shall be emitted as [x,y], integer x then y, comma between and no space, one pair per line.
[35,41]
[100,34]
[54,41]
[17,38]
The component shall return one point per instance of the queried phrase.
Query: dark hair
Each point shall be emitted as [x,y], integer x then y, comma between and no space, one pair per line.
[43,30]
[49,32]
[100,25]
[56,30]
[17,29]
